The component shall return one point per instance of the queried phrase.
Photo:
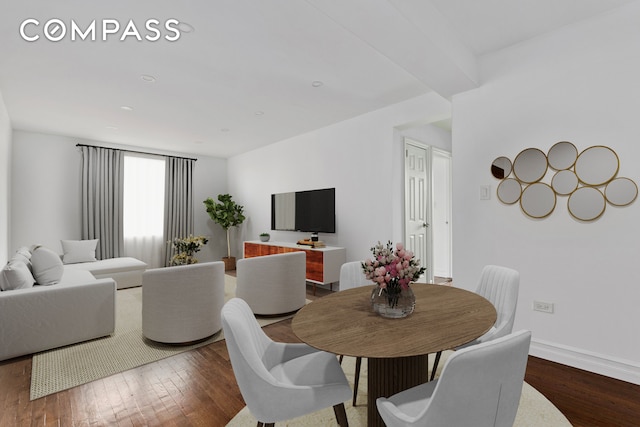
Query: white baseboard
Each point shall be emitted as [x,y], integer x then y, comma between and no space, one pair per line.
[624,370]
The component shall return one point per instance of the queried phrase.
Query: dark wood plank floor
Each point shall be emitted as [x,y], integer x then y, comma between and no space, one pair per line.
[197,388]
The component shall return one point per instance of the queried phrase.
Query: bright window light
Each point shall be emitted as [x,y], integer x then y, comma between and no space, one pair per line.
[143,196]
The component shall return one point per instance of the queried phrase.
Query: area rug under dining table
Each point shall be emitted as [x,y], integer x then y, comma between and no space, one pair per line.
[535,410]
[66,367]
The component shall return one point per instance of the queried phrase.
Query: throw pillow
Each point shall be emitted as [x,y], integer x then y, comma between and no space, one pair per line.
[75,251]
[23,254]
[15,275]
[47,266]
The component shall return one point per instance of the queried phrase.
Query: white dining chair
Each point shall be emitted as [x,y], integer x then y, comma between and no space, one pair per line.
[499,285]
[280,381]
[479,386]
[352,276]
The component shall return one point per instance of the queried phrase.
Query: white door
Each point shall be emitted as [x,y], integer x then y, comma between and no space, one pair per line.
[441,212]
[428,207]
[417,196]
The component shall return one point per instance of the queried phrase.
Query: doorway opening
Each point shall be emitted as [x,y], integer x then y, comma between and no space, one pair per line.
[428,216]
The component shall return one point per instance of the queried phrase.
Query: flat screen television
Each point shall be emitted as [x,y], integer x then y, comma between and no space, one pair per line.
[309,211]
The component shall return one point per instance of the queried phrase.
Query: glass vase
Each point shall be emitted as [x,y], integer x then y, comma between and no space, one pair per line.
[393,303]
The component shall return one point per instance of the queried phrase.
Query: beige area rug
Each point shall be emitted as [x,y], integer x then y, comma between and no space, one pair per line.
[534,410]
[66,367]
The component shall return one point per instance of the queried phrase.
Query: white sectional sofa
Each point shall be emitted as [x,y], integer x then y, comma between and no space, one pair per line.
[46,304]
[126,271]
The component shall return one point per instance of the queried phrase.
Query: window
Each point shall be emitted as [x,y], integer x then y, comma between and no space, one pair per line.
[143,208]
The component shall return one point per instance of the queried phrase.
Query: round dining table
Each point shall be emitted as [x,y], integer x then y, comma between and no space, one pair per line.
[397,350]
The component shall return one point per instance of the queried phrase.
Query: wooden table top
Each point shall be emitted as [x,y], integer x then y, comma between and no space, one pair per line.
[344,323]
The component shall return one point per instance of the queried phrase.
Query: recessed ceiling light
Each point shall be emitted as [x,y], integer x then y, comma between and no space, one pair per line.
[316,83]
[111,127]
[259,113]
[148,78]
[224,130]
[199,142]
[126,108]
[186,28]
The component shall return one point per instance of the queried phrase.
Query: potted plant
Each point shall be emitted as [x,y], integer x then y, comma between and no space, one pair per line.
[264,237]
[185,248]
[227,214]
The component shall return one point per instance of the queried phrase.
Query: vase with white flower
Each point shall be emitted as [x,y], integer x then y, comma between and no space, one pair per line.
[392,270]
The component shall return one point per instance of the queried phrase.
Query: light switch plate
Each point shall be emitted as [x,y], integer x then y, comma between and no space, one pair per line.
[485,192]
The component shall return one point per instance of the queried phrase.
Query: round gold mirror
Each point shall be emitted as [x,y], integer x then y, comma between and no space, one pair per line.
[530,165]
[509,191]
[586,203]
[564,182]
[621,192]
[501,167]
[597,165]
[538,200]
[562,155]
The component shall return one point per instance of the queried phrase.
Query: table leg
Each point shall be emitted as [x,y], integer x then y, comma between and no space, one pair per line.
[387,377]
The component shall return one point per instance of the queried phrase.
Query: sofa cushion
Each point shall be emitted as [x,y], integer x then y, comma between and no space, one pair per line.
[75,251]
[15,275]
[47,266]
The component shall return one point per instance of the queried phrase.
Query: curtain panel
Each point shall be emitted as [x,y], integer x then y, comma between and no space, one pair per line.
[178,212]
[102,200]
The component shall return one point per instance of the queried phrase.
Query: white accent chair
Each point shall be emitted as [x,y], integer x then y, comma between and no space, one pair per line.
[479,386]
[182,304]
[273,284]
[499,285]
[280,381]
[352,276]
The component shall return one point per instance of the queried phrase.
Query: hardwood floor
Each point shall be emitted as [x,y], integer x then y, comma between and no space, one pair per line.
[198,388]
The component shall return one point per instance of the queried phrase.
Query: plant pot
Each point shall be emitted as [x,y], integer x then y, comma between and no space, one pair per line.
[229,263]
[264,238]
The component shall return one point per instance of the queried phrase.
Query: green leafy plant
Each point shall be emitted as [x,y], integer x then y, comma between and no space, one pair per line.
[226,213]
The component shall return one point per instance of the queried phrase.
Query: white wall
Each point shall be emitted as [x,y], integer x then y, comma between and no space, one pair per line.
[361,157]
[578,84]
[46,204]
[5,182]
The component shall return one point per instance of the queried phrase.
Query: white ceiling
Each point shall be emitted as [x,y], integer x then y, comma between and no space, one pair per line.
[243,77]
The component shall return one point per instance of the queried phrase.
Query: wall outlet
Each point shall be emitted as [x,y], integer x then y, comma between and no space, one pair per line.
[545,307]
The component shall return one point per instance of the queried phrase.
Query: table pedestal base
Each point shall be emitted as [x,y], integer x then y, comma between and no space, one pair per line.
[389,376]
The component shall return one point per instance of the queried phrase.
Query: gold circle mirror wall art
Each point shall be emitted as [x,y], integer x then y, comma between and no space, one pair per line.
[562,155]
[597,165]
[538,200]
[564,182]
[530,165]
[589,179]
[621,192]
[586,203]
[501,167]
[509,191]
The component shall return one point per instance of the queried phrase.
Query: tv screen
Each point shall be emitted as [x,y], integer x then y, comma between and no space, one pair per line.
[309,211]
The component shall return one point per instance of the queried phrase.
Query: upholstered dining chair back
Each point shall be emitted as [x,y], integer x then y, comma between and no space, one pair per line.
[479,386]
[280,381]
[182,304]
[500,285]
[351,276]
[273,284]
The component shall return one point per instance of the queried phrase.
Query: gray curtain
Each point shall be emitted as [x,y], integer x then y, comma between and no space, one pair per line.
[102,200]
[178,204]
